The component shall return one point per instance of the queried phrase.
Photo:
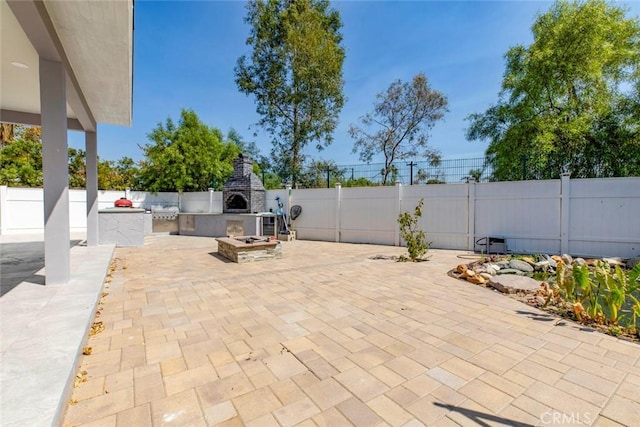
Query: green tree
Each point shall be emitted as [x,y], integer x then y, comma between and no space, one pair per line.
[399,124]
[262,166]
[359,182]
[431,175]
[475,174]
[295,74]
[249,149]
[315,174]
[117,175]
[77,168]
[271,181]
[21,163]
[569,101]
[20,155]
[189,156]
[30,133]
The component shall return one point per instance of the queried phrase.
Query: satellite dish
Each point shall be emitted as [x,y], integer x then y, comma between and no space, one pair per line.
[296,210]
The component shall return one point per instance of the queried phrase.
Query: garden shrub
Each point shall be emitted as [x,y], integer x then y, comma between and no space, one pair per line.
[416,239]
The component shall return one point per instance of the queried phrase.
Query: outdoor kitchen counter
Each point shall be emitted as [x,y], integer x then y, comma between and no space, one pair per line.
[122,226]
[222,224]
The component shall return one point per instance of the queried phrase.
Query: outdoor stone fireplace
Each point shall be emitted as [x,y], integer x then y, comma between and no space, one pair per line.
[243,192]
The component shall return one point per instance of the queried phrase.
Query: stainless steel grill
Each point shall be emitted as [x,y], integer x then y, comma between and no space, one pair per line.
[165,220]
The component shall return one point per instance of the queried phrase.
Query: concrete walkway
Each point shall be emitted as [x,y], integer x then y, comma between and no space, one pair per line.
[43,327]
[328,337]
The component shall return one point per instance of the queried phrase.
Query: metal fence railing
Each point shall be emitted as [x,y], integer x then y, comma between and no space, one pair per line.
[406,172]
[451,171]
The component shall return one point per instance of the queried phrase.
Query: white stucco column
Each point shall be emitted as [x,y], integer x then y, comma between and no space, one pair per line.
[91,147]
[55,170]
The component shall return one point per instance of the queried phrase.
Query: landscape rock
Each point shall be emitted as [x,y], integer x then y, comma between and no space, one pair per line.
[478,280]
[510,271]
[529,260]
[632,262]
[496,267]
[512,284]
[486,275]
[503,264]
[520,265]
[490,270]
[557,259]
[614,261]
[541,266]
[579,261]
[567,259]
[552,263]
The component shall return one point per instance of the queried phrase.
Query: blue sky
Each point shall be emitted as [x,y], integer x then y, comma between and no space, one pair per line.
[185,53]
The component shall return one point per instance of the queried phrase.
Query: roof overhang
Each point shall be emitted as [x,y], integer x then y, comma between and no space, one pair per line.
[94,41]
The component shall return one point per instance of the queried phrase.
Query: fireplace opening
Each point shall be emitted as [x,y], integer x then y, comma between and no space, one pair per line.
[237,202]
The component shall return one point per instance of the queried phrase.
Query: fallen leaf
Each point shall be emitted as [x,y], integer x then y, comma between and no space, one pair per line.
[96,328]
[80,378]
[87,351]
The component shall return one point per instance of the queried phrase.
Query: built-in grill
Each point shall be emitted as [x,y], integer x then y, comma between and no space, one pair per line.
[243,192]
[165,220]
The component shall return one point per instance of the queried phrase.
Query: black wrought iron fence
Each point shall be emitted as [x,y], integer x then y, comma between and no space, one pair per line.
[406,172]
[450,171]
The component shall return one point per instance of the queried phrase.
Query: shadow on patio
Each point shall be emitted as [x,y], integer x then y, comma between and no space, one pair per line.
[20,261]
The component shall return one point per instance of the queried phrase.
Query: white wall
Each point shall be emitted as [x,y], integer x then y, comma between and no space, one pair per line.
[23,209]
[587,217]
[526,213]
[368,214]
[605,217]
[318,218]
[444,214]
[146,200]
[203,201]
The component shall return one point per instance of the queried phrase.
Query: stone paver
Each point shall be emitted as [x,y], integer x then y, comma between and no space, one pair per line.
[328,337]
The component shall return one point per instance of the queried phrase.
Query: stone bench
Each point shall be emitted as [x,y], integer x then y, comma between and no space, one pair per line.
[243,249]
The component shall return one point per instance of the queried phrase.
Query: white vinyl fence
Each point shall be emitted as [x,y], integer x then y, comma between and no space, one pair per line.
[587,217]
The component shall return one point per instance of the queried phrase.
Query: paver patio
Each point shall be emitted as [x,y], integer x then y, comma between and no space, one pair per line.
[328,337]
